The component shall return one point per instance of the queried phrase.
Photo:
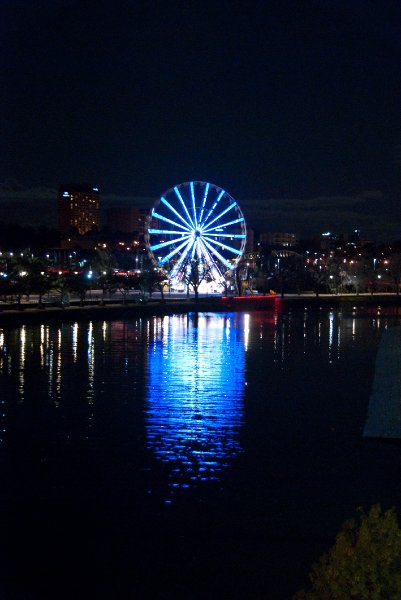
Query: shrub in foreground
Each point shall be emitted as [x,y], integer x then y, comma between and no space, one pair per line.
[363,564]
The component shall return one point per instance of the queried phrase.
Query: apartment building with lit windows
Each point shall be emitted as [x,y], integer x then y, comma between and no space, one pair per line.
[78,209]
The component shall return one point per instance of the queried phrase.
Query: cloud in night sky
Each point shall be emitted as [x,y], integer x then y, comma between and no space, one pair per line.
[369,211]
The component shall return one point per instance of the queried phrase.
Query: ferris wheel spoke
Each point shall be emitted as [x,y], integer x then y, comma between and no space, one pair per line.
[213,266]
[194,248]
[238,236]
[209,259]
[217,254]
[221,225]
[191,187]
[162,218]
[175,251]
[174,211]
[183,256]
[204,201]
[168,243]
[219,197]
[168,232]
[224,246]
[199,249]
[232,205]
[177,191]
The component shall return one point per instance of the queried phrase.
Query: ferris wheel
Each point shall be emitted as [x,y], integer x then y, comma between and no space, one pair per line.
[196,221]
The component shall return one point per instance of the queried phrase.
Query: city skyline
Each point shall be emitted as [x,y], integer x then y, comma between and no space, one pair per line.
[311,217]
[292,107]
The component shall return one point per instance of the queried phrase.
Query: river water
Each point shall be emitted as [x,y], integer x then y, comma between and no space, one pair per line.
[197,456]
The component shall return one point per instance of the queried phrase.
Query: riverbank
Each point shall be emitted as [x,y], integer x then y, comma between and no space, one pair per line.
[28,313]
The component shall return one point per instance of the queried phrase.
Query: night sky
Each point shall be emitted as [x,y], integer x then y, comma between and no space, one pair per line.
[293,107]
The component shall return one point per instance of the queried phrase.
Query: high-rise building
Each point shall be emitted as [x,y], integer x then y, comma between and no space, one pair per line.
[278,239]
[78,209]
[128,219]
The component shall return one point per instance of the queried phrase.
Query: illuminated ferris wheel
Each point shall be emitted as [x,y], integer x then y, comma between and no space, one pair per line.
[196,221]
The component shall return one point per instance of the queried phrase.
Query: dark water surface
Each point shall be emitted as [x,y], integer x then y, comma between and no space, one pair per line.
[210,456]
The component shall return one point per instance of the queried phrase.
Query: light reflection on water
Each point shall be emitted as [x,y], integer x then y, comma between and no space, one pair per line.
[250,425]
[21,387]
[195,395]
[175,385]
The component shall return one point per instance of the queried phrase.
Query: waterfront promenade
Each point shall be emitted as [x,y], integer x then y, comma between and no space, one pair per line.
[94,309]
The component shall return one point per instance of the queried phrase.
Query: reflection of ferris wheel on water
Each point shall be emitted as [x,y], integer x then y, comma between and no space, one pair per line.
[196,221]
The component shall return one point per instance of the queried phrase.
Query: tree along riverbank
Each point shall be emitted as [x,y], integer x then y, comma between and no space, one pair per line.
[26,314]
